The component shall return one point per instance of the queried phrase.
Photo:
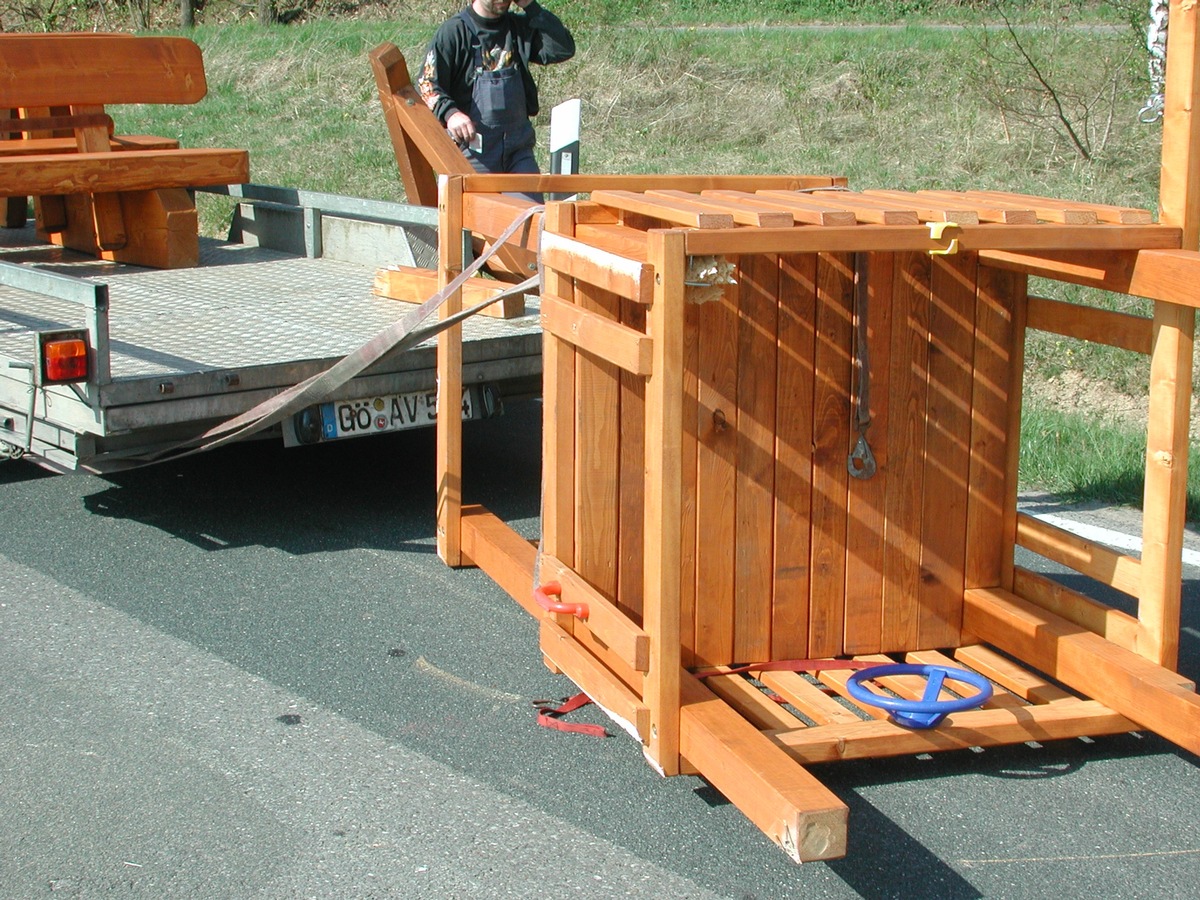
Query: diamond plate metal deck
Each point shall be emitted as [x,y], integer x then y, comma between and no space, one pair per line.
[243,307]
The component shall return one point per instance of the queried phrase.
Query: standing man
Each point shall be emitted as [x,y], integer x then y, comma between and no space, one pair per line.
[476,79]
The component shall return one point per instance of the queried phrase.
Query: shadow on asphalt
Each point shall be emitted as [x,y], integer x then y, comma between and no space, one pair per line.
[357,494]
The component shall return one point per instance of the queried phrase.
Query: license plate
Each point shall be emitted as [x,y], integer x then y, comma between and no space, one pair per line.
[377,415]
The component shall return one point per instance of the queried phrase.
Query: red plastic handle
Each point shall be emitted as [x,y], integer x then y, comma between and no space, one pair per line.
[550,589]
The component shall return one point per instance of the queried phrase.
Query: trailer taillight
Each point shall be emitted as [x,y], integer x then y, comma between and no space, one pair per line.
[64,357]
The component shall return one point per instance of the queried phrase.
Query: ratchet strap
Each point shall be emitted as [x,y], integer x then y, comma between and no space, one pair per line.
[402,334]
[550,716]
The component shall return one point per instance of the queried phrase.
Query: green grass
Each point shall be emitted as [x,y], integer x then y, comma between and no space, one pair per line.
[1081,460]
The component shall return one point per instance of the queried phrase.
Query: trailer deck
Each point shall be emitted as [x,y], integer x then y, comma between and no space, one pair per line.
[181,348]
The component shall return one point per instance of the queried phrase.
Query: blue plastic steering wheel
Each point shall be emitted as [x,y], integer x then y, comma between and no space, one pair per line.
[929,710]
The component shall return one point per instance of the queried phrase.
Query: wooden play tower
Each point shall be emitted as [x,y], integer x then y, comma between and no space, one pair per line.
[781,423]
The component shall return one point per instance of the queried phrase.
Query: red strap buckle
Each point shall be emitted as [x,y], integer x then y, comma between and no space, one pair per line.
[550,716]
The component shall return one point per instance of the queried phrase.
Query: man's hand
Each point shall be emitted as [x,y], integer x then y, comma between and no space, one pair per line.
[460,127]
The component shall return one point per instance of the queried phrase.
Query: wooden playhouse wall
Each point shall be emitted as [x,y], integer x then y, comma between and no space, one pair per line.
[785,555]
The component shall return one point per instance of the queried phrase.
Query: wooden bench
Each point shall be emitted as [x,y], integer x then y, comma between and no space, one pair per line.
[119,197]
[424,151]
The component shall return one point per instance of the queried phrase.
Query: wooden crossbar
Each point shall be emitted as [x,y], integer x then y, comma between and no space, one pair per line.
[71,173]
[40,146]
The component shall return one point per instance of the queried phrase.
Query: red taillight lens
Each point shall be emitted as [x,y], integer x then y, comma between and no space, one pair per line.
[64,359]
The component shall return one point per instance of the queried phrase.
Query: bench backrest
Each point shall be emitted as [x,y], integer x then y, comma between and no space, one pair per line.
[423,148]
[56,70]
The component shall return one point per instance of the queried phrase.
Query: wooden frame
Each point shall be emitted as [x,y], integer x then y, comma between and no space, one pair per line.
[697,499]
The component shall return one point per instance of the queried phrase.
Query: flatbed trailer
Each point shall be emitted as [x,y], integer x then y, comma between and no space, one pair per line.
[174,352]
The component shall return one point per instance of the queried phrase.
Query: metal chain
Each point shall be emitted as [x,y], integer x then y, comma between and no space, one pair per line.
[1156,44]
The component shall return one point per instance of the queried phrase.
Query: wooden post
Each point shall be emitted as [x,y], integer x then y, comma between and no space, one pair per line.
[449,375]
[664,450]
[558,424]
[1171,360]
[1179,180]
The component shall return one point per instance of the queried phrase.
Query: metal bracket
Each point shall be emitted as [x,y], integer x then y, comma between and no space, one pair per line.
[937,231]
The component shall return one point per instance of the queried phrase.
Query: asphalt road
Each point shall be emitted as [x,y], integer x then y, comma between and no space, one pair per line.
[247,675]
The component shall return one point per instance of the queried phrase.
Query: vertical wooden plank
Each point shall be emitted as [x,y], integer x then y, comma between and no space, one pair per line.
[865,525]
[793,455]
[558,412]
[1016,389]
[1171,360]
[831,445]
[449,374]
[631,477]
[597,452]
[947,455]
[1165,498]
[664,438]
[716,449]
[1179,180]
[758,290]
[906,428]
[687,500]
[989,490]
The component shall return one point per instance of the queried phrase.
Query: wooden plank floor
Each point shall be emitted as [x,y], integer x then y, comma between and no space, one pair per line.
[813,718]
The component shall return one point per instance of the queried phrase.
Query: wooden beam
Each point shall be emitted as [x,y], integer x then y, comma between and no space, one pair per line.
[629,642]
[898,238]
[663,540]
[1002,670]
[597,335]
[959,731]
[53,145]
[1089,323]
[808,698]
[1179,176]
[1165,493]
[1059,211]
[411,284]
[1146,693]
[1117,570]
[558,410]
[146,170]
[1006,215]
[810,213]
[1113,624]
[1111,215]
[449,374]
[929,208]
[743,214]
[584,183]
[605,689]
[163,233]
[674,212]
[391,80]
[786,802]
[865,209]
[506,557]
[629,278]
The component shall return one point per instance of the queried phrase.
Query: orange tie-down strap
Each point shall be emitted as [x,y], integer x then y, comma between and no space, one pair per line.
[550,716]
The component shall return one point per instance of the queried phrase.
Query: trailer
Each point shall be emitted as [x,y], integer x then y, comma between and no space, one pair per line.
[291,290]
